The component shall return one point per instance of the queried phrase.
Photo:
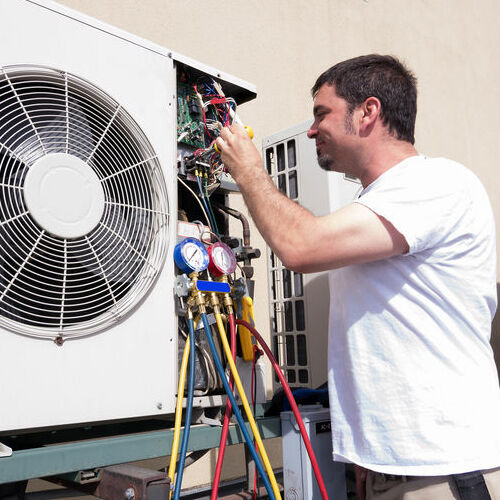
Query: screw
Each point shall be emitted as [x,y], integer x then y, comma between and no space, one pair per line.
[129,494]
[159,406]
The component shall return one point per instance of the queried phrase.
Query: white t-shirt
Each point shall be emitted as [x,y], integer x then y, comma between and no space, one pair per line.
[412,380]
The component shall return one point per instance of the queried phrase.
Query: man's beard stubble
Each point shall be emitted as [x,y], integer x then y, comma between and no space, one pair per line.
[325,161]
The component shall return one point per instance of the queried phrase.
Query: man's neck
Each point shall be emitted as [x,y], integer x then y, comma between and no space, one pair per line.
[382,158]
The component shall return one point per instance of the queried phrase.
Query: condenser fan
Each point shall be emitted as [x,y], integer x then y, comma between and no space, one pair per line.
[83,206]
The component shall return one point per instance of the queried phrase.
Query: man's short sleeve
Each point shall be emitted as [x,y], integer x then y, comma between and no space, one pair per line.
[422,198]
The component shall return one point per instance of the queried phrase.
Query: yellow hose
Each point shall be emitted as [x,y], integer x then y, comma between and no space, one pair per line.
[178,410]
[246,406]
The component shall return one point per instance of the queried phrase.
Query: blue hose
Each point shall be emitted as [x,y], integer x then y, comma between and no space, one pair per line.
[237,413]
[189,408]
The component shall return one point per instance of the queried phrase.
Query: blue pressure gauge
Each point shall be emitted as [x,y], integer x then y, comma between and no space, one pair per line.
[191,255]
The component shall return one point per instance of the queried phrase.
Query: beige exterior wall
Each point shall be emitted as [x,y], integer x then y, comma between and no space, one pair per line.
[282,46]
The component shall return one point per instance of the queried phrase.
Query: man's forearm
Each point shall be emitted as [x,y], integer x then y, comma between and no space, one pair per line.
[280,220]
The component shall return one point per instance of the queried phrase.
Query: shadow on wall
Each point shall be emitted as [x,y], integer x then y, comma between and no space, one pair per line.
[495,334]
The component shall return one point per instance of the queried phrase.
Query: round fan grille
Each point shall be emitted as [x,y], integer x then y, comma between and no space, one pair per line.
[83,206]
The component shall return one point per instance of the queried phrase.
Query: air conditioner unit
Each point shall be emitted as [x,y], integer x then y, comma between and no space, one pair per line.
[88,213]
[299,303]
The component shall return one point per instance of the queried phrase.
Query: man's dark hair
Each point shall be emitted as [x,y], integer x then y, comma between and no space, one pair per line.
[383,77]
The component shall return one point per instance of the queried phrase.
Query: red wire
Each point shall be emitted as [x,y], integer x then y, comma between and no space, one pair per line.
[227,416]
[293,404]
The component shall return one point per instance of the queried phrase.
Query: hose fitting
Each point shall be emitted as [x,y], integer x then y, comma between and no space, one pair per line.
[196,296]
[226,298]
[215,303]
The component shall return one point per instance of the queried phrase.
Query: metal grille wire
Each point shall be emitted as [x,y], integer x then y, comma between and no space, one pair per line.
[58,288]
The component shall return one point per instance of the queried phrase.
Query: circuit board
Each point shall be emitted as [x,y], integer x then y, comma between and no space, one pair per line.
[190,127]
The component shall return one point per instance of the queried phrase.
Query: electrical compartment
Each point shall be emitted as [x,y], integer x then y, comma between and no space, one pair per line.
[205,104]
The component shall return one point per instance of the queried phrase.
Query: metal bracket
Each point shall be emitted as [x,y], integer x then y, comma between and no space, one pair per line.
[201,418]
[118,482]
[89,449]
[5,451]
[129,482]
[79,477]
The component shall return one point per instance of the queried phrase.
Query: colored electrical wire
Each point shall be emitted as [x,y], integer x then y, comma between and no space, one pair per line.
[246,406]
[217,104]
[203,199]
[197,199]
[227,417]
[207,198]
[189,409]
[293,404]
[237,413]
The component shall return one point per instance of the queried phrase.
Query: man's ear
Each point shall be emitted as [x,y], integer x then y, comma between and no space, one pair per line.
[370,111]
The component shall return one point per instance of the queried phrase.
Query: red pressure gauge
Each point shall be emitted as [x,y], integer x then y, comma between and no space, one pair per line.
[222,259]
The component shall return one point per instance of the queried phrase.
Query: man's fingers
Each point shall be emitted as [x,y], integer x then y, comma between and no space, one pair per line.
[225,133]
[219,144]
[237,128]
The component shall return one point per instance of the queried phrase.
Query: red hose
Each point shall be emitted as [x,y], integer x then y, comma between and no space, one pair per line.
[293,404]
[227,416]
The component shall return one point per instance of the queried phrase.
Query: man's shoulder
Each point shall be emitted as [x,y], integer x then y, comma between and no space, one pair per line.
[441,163]
[453,175]
[439,172]
[424,179]
[438,163]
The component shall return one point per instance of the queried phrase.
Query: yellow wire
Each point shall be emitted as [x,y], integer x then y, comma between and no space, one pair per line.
[246,406]
[178,410]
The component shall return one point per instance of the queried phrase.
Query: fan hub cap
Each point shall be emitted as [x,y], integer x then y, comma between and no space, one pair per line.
[64,195]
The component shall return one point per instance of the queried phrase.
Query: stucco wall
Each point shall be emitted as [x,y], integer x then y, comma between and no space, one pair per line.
[282,45]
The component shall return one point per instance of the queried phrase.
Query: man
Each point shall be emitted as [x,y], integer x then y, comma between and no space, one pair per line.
[413,386]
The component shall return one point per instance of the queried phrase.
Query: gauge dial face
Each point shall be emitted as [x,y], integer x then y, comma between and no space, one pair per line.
[191,255]
[195,256]
[223,258]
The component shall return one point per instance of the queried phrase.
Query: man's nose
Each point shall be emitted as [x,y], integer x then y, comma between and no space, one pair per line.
[312,132]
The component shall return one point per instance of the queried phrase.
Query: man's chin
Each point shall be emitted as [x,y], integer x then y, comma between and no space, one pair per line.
[325,162]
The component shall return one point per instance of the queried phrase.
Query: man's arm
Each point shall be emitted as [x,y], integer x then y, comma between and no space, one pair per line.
[302,241]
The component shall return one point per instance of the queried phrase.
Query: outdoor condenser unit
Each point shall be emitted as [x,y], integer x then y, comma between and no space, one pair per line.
[299,303]
[88,214]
